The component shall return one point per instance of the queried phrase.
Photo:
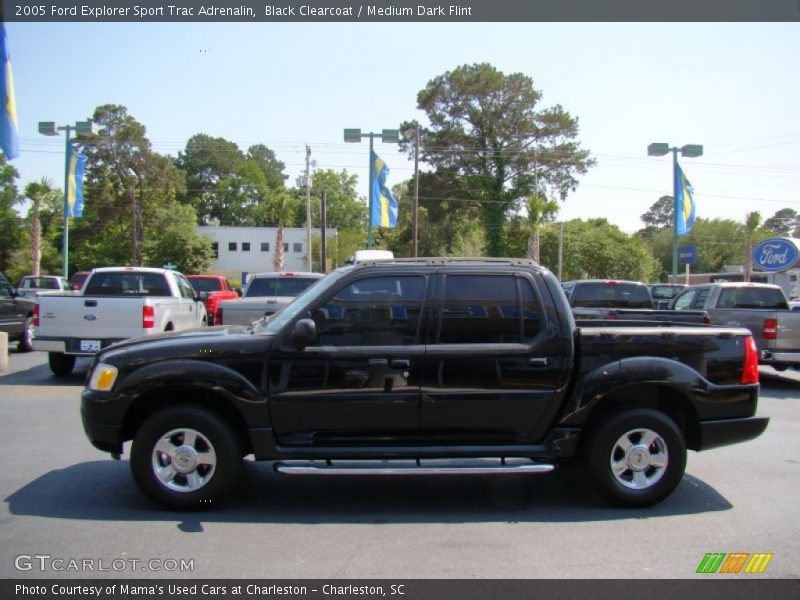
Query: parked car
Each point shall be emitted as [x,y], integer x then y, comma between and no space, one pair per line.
[429,366]
[615,299]
[264,295]
[16,315]
[116,303]
[33,285]
[760,307]
[212,290]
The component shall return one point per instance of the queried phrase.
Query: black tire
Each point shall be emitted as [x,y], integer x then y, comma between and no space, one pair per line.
[26,341]
[61,364]
[651,467]
[211,464]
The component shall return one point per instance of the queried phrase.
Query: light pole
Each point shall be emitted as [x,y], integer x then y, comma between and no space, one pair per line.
[414,216]
[388,136]
[688,151]
[49,128]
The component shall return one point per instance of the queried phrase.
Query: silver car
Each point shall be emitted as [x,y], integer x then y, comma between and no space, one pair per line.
[264,295]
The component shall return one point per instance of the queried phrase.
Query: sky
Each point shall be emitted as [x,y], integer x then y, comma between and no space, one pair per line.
[733,88]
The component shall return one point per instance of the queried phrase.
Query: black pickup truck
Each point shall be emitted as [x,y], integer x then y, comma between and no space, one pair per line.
[423,367]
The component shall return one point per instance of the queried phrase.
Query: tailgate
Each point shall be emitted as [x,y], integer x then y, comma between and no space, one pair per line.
[90,317]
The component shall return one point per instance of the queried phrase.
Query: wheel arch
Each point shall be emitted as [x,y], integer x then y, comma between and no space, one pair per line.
[188,395]
[666,399]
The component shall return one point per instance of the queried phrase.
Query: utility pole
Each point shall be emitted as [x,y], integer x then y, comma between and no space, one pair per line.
[308,208]
[323,222]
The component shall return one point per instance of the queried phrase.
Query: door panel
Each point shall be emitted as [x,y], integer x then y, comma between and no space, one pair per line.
[496,388]
[360,382]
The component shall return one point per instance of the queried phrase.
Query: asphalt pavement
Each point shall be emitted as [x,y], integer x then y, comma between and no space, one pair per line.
[67,502]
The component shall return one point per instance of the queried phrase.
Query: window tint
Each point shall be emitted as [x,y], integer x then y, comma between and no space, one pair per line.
[265,246]
[206,284]
[297,247]
[752,297]
[279,286]
[232,246]
[215,248]
[186,289]
[377,311]
[245,246]
[611,295]
[531,315]
[480,309]
[125,283]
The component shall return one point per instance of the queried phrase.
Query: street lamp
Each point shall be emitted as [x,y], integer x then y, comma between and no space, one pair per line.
[388,136]
[409,133]
[688,151]
[49,128]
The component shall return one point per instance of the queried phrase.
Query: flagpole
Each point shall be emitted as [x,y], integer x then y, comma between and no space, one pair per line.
[675,215]
[371,182]
[65,262]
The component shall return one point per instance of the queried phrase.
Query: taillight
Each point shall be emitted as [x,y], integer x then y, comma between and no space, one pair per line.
[611,316]
[707,319]
[148,317]
[750,370]
[35,315]
[770,331]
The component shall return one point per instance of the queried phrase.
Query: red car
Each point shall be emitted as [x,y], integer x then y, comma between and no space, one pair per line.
[214,289]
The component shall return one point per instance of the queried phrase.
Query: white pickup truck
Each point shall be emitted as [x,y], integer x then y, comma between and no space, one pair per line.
[116,303]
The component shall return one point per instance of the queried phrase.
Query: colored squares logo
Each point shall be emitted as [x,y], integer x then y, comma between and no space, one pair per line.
[735,562]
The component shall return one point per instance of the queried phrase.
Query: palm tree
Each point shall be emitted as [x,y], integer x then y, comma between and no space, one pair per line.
[283,208]
[751,225]
[37,192]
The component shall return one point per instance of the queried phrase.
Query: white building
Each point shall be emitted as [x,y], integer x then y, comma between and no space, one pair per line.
[241,250]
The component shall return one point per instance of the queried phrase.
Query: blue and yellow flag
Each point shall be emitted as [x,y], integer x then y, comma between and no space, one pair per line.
[76,166]
[684,203]
[384,206]
[9,129]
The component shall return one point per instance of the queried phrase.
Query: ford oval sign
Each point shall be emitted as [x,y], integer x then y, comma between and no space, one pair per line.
[775,254]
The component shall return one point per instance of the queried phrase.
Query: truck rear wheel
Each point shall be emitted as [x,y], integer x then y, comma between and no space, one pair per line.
[635,457]
[61,364]
[185,458]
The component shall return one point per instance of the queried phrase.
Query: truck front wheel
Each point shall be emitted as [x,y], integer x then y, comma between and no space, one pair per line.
[635,457]
[61,364]
[185,458]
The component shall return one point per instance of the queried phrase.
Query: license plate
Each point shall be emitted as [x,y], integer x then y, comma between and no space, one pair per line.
[90,345]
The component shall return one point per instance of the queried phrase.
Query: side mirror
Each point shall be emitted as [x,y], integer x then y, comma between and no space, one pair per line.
[202,296]
[305,333]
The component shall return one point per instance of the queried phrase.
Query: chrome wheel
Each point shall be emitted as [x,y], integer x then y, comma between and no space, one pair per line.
[639,459]
[184,460]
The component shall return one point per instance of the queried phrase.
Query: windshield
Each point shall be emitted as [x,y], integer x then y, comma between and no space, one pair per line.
[207,284]
[289,312]
[279,286]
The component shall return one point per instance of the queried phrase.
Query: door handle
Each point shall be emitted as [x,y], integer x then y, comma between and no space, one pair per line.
[400,363]
[537,362]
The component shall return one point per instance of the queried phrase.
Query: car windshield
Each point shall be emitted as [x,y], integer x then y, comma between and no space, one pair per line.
[127,283]
[666,292]
[279,286]
[611,295]
[289,312]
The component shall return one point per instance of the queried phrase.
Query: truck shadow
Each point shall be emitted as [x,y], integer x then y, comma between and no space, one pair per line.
[42,375]
[105,491]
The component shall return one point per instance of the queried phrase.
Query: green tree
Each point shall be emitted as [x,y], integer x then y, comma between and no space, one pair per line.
[11,231]
[131,209]
[41,194]
[597,249]
[659,216]
[488,130]
[785,222]
[207,161]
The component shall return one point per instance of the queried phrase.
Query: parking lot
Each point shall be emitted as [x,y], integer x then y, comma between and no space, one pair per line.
[66,501]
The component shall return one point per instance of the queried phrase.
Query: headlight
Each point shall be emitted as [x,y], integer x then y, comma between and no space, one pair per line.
[103,378]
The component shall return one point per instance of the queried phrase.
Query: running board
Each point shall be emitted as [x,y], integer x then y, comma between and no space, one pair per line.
[406,467]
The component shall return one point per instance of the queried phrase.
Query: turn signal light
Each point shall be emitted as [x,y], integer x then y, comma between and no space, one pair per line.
[750,370]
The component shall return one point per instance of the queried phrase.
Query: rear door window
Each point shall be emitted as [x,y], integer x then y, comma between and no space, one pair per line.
[611,295]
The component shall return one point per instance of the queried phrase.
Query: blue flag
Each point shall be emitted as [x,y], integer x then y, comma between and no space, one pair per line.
[77,164]
[9,136]
[684,203]
[384,206]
